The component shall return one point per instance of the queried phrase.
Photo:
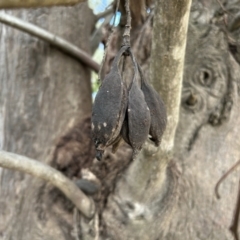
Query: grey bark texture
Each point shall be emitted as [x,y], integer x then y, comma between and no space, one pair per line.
[44,92]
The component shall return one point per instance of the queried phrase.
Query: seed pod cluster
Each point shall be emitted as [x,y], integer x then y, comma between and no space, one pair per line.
[126,113]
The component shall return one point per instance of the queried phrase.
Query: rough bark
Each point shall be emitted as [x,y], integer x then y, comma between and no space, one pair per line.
[44,92]
[206,143]
[36,3]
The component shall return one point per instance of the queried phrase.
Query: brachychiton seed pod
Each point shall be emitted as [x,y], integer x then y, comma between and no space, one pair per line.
[157,110]
[109,108]
[138,114]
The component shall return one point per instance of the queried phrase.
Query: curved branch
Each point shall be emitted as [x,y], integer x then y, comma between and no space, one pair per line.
[51,38]
[223,177]
[41,170]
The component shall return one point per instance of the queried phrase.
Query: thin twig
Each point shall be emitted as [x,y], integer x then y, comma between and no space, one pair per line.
[235,24]
[51,38]
[96,37]
[126,34]
[38,169]
[223,8]
[221,5]
[223,178]
[104,14]
[96,226]
[234,225]
[75,223]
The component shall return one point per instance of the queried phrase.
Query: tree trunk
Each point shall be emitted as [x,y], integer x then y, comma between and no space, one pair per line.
[43,93]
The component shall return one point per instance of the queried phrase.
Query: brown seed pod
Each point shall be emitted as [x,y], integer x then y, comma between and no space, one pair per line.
[157,110]
[138,114]
[109,108]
